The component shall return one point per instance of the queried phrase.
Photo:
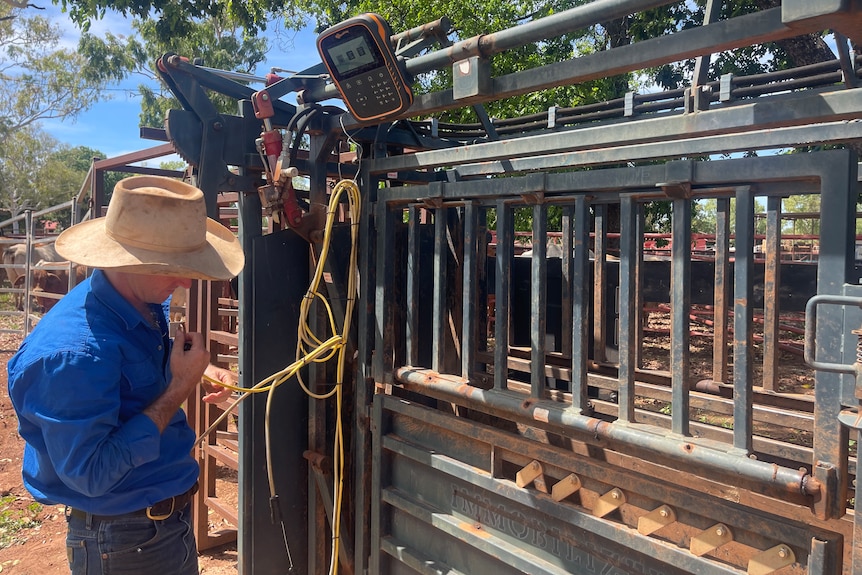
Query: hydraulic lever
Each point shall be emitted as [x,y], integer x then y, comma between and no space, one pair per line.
[278,195]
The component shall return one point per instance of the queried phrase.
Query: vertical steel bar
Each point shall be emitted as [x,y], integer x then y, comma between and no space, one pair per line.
[600,307]
[680,298]
[567,273]
[771,283]
[28,270]
[318,425]
[701,63]
[483,241]
[721,295]
[413,283]
[502,279]
[823,559]
[641,316]
[580,303]
[439,311]
[629,255]
[469,289]
[367,336]
[375,523]
[538,301]
[384,304]
[742,320]
[839,189]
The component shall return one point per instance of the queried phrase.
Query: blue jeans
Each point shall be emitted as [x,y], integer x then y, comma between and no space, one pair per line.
[132,545]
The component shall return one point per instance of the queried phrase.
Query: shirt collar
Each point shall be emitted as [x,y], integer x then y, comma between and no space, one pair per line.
[105,292]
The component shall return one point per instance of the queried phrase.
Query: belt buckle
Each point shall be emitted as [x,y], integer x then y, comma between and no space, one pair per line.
[161,517]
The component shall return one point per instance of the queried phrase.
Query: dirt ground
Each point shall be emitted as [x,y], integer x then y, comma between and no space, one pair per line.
[38,546]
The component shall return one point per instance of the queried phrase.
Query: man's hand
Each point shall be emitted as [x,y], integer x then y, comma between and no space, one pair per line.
[189,358]
[217,393]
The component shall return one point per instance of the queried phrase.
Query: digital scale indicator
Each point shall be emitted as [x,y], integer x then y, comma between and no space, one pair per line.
[358,55]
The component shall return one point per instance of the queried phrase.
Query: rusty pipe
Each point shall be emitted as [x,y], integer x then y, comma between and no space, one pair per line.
[515,406]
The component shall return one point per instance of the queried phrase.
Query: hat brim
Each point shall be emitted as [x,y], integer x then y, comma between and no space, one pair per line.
[87,244]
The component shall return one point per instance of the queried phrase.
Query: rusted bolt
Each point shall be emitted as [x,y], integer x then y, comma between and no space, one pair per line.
[663,512]
[719,531]
[264,96]
[616,494]
[782,551]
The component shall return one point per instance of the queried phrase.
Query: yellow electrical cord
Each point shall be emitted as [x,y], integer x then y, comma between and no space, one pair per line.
[310,348]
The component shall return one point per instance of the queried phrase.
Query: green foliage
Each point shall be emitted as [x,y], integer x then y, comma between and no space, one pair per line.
[41,80]
[12,521]
[175,165]
[216,43]
[176,18]
[802,204]
[24,152]
[37,172]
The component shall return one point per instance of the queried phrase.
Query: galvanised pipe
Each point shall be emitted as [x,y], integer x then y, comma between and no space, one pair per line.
[516,407]
[515,37]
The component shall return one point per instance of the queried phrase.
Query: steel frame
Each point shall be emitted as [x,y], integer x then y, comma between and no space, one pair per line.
[428,189]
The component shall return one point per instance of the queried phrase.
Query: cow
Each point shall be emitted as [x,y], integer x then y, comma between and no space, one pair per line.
[16,255]
[54,281]
[15,260]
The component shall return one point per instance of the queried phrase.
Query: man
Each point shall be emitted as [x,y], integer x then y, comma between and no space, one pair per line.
[98,384]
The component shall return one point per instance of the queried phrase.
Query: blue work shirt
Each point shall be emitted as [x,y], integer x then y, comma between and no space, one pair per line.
[79,384]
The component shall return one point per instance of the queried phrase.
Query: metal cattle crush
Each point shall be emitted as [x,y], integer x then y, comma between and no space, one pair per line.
[504,414]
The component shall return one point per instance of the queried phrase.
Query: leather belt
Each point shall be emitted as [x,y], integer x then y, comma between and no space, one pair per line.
[157,512]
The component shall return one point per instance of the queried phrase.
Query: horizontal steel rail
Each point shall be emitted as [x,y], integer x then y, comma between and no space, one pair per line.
[683,451]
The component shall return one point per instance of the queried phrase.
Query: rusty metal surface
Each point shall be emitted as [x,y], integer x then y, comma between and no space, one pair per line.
[472,517]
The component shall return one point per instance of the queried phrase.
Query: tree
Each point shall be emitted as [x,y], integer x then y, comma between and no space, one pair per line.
[25,151]
[37,172]
[41,81]
[175,18]
[215,42]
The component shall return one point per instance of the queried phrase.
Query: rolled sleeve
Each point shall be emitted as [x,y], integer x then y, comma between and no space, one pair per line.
[74,403]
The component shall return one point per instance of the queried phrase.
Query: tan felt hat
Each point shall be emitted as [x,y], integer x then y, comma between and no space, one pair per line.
[155,226]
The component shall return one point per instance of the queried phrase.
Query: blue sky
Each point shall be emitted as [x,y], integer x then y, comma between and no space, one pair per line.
[112,126]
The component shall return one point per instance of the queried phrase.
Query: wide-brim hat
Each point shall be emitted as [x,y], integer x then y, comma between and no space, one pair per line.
[155,226]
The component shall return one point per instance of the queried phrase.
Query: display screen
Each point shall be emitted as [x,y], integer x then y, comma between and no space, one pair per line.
[353,53]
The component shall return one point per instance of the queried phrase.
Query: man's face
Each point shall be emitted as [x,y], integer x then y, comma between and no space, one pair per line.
[156,289]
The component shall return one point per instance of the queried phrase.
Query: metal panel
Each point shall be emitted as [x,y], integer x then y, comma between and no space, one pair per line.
[265,341]
[471,516]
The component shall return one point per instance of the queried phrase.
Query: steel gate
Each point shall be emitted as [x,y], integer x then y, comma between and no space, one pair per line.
[491,462]
[503,414]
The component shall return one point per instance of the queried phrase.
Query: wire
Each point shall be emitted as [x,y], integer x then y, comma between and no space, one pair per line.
[311,348]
